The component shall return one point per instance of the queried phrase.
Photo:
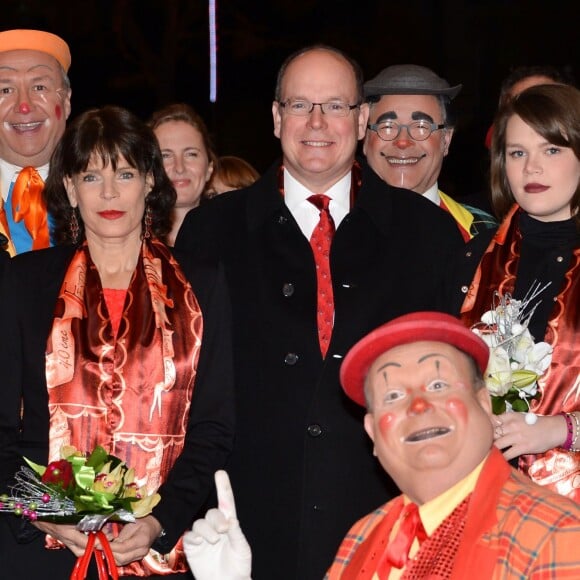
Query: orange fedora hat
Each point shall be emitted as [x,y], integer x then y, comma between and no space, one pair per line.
[38,40]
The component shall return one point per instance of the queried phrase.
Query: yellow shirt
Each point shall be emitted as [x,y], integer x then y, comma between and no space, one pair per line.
[435,511]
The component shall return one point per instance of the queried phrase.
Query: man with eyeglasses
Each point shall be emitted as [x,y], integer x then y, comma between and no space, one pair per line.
[34,106]
[307,281]
[409,132]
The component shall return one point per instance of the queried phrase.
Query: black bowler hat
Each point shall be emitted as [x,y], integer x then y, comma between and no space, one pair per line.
[408,79]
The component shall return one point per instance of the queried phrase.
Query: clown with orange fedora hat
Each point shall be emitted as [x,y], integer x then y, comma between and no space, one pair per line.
[34,106]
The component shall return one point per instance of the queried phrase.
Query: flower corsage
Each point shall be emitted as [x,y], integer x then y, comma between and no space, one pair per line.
[516,361]
[84,490]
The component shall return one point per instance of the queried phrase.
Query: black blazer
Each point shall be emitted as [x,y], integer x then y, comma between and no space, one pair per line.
[302,467]
[27,300]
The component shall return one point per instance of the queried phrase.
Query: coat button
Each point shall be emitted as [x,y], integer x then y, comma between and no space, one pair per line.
[282,219]
[314,430]
[468,254]
[464,289]
[288,289]
[291,359]
[559,259]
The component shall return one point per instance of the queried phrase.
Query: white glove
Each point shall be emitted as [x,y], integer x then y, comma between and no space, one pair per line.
[216,546]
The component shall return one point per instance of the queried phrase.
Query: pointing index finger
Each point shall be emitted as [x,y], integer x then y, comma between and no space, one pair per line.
[225,494]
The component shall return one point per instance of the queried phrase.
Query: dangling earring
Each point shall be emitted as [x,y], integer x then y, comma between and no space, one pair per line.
[74,226]
[148,222]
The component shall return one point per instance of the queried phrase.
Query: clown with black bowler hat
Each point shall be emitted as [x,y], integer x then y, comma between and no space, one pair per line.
[409,133]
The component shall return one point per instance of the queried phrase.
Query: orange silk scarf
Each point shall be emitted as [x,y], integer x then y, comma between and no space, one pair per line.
[560,385]
[130,393]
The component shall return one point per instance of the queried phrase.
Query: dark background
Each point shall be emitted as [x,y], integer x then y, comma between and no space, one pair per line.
[145,54]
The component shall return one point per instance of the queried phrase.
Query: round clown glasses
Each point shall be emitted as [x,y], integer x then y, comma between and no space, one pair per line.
[418,131]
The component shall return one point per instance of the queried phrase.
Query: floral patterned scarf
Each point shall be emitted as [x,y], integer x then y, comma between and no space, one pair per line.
[130,392]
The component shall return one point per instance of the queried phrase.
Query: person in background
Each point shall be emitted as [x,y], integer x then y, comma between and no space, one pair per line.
[231,173]
[109,340]
[523,77]
[317,252]
[534,256]
[410,128]
[463,512]
[34,106]
[188,157]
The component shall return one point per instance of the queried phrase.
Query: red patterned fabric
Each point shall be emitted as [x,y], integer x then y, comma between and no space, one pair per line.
[130,393]
[560,385]
[436,558]
[28,205]
[321,240]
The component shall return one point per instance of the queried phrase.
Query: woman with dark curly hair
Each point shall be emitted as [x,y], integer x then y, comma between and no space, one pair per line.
[110,339]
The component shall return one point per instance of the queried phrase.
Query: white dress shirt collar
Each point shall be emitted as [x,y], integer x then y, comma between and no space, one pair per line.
[432,194]
[306,215]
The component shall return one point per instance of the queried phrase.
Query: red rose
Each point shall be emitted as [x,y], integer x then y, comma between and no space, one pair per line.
[59,473]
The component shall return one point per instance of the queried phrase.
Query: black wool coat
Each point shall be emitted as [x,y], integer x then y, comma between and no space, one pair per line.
[302,468]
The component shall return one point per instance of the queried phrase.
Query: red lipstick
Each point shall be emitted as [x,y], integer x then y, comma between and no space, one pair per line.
[535,188]
[111,214]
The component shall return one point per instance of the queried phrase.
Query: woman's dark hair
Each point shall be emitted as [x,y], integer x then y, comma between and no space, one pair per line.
[553,111]
[110,133]
[561,76]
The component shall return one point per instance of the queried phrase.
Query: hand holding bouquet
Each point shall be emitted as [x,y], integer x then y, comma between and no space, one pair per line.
[85,490]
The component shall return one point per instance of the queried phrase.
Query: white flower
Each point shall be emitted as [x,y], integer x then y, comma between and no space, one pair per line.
[515,361]
[521,345]
[498,375]
[489,317]
[529,391]
[539,358]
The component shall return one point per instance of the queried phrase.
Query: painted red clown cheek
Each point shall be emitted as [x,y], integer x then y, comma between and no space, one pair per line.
[457,407]
[385,423]
[58,112]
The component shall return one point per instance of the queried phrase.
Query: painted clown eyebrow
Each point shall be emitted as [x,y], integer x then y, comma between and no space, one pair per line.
[421,116]
[388,116]
[431,355]
[415,115]
[389,364]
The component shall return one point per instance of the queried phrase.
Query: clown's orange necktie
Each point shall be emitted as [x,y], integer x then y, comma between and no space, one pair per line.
[320,242]
[28,205]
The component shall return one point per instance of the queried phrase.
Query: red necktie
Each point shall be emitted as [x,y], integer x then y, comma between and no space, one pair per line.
[28,205]
[320,242]
[397,552]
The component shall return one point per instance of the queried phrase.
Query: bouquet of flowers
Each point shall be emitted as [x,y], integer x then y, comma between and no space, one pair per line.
[85,490]
[516,361]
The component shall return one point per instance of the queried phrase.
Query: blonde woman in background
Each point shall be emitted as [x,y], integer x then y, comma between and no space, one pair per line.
[188,157]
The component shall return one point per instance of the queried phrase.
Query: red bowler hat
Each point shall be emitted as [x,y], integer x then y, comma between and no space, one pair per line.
[414,327]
